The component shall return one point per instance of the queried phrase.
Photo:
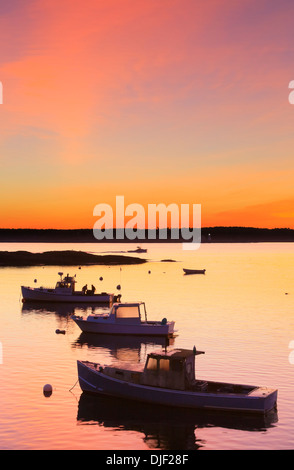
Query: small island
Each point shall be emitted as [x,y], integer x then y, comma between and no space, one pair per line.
[64,258]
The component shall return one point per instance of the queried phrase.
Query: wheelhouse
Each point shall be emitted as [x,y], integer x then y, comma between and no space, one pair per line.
[129,311]
[174,369]
[65,283]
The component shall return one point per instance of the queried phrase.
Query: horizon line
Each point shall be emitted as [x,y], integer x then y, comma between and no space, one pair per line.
[165,228]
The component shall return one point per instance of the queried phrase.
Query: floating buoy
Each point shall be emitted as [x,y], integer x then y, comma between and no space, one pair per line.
[101,278]
[149,272]
[118,287]
[60,332]
[35,280]
[47,390]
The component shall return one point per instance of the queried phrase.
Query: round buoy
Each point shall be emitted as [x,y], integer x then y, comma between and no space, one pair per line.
[118,287]
[47,390]
[149,272]
[35,280]
[101,278]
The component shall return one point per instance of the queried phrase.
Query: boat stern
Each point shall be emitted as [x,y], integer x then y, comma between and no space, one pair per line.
[171,328]
[265,398]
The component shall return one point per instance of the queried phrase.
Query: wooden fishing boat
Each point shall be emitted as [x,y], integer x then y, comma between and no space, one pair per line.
[168,378]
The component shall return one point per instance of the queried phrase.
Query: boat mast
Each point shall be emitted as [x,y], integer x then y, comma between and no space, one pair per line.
[145,312]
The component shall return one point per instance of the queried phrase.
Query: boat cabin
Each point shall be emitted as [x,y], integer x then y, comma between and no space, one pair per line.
[174,369]
[66,283]
[128,312]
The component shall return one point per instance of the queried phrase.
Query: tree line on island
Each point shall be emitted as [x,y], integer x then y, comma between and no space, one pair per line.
[208,235]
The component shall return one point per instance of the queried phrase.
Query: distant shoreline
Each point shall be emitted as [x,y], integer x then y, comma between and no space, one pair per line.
[64,258]
[208,235]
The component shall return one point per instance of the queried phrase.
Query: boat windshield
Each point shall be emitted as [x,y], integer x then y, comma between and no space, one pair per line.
[128,311]
[62,285]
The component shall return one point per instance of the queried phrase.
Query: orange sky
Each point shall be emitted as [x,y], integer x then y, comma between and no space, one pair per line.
[177,101]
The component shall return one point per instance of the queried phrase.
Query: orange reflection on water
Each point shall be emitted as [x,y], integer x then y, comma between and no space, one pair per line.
[238,313]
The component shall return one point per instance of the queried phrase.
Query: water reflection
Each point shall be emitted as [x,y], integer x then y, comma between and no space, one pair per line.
[122,348]
[64,309]
[163,427]
[113,342]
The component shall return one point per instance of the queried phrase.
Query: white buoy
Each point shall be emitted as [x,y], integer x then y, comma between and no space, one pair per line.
[47,390]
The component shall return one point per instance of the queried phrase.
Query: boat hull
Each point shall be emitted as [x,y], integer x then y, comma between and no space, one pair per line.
[194,271]
[44,295]
[103,326]
[93,381]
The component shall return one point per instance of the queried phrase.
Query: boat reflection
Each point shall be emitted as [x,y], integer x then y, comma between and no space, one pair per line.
[163,427]
[64,309]
[61,312]
[122,348]
[93,340]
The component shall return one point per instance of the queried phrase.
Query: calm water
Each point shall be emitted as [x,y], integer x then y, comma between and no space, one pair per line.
[240,313]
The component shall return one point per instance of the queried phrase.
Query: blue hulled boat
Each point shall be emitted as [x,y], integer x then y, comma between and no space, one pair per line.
[168,378]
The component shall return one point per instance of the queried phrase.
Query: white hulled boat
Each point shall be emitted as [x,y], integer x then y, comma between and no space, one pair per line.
[65,291]
[125,319]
